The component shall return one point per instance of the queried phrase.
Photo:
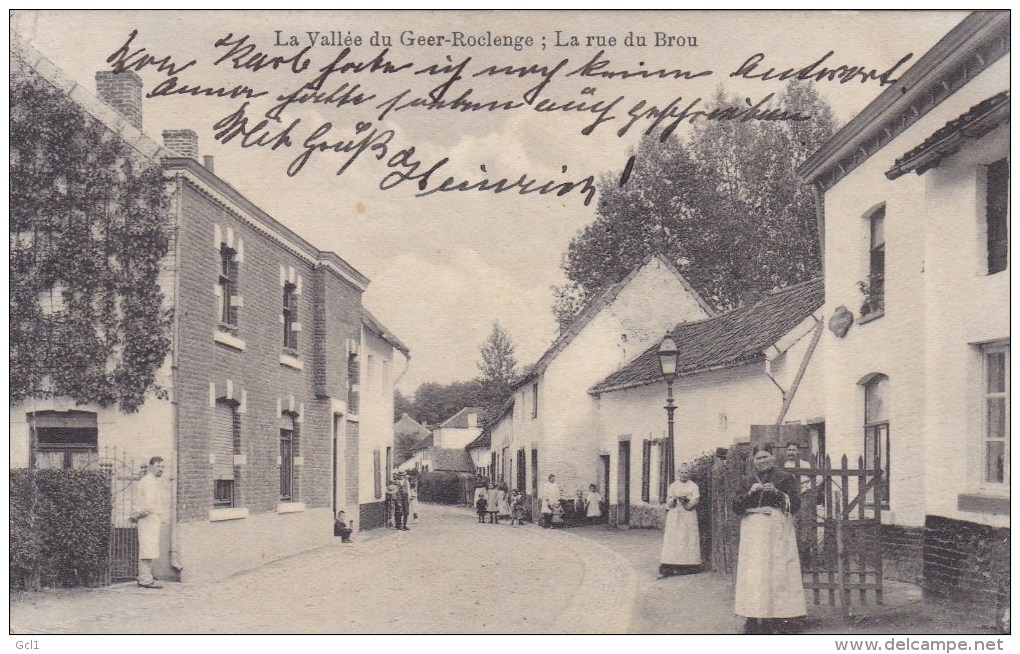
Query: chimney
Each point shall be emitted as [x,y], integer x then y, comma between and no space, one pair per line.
[123,92]
[182,141]
[208,162]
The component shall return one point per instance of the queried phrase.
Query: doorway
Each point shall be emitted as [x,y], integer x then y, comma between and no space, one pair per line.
[623,485]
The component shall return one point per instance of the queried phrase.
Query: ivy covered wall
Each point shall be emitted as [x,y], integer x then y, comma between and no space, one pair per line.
[89,228]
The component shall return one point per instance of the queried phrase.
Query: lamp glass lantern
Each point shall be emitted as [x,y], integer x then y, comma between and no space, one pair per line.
[668,355]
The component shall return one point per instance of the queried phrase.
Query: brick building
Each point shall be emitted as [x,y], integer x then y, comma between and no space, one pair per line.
[279,409]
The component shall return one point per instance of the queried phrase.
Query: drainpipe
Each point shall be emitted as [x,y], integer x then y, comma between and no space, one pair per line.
[175,557]
[816,189]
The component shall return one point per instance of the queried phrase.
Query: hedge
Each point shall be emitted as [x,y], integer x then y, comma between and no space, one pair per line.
[443,487]
[60,528]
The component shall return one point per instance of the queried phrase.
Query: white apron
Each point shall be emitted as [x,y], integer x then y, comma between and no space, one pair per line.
[149,499]
[769,583]
[681,542]
[148,536]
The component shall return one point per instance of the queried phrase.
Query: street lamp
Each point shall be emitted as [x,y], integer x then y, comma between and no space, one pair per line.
[668,357]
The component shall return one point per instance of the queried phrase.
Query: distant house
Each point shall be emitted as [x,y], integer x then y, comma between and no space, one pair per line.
[503,464]
[479,451]
[407,434]
[554,417]
[916,251]
[438,459]
[459,429]
[750,366]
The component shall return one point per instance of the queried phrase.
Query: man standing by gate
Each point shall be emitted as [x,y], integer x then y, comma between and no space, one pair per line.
[149,519]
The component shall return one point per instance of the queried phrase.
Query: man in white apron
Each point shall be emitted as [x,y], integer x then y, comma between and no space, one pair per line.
[149,519]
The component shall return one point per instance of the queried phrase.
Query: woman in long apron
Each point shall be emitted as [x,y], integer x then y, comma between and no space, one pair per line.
[681,541]
[769,590]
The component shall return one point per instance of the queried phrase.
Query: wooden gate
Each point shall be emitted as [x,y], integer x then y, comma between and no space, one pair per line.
[838,527]
[122,474]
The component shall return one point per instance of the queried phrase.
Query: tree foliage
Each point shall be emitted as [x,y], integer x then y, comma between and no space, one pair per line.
[88,233]
[498,366]
[435,402]
[725,204]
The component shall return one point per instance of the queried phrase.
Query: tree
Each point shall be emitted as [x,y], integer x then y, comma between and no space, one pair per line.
[401,405]
[436,402]
[498,366]
[725,205]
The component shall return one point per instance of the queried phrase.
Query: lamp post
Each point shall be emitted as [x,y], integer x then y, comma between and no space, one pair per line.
[668,356]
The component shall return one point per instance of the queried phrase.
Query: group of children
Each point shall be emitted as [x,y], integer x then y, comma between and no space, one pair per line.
[494,502]
[497,502]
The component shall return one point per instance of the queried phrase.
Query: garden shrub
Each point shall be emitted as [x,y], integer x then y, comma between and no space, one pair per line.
[60,527]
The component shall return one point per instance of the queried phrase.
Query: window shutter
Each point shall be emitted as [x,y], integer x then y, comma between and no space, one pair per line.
[646,471]
[222,445]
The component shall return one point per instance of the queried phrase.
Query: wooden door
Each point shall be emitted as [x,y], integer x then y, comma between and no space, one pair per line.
[623,485]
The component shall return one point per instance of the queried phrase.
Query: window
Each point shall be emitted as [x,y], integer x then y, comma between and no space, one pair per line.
[997,215]
[224,443]
[290,314]
[287,458]
[223,494]
[995,455]
[646,471]
[876,431]
[65,439]
[534,400]
[227,298]
[874,296]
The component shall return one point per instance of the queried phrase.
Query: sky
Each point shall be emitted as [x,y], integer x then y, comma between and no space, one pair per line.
[445,266]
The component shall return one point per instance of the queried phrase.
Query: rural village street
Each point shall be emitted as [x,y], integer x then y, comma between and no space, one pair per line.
[450,575]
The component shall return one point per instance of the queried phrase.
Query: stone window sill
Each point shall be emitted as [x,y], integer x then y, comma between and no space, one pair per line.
[874,315]
[290,507]
[218,515]
[291,362]
[224,338]
[983,503]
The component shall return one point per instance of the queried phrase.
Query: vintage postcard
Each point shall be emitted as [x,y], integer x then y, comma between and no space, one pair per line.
[511,322]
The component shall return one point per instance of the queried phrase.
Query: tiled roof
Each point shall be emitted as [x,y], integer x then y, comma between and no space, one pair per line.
[423,444]
[373,325]
[484,440]
[973,124]
[408,425]
[459,420]
[594,307]
[452,460]
[732,338]
[503,410]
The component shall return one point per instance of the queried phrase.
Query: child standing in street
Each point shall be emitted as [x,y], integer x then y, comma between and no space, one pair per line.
[481,505]
[516,508]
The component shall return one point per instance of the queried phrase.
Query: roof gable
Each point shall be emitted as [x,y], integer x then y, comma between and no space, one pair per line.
[972,46]
[733,338]
[459,420]
[595,307]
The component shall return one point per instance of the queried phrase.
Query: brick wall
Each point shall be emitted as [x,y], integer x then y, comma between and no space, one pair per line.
[256,370]
[902,553]
[182,141]
[373,515]
[967,566]
[122,92]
